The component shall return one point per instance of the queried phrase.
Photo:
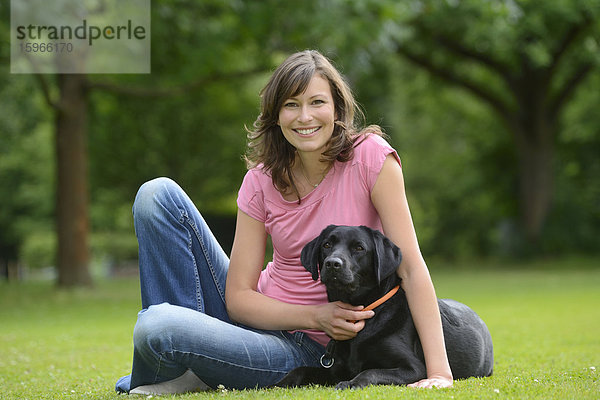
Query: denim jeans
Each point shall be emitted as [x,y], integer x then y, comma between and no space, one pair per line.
[184,323]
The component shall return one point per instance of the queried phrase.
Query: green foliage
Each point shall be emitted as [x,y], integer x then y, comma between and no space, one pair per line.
[209,60]
[116,248]
[39,249]
[26,164]
[451,148]
[75,344]
[500,54]
[575,220]
[195,136]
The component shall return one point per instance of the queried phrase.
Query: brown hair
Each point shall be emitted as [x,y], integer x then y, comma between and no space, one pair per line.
[266,143]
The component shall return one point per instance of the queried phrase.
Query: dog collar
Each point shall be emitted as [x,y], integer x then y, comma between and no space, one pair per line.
[382,300]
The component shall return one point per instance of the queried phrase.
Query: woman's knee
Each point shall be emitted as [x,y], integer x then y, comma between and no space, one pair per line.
[153,327]
[164,328]
[151,194]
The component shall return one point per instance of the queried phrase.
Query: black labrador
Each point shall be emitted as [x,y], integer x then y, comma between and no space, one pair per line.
[358,266]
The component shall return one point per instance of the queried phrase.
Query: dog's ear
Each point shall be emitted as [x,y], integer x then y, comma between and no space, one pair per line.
[387,256]
[311,251]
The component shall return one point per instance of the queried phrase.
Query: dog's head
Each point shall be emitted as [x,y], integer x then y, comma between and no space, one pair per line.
[352,261]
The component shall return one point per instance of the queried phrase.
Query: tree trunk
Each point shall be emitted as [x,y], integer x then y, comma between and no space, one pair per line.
[72,220]
[535,150]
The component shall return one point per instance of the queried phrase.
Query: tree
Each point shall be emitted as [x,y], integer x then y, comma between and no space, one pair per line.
[68,95]
[72,201]
[524,59]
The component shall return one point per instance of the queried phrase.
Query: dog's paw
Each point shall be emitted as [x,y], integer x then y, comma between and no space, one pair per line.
[343,385]
[349,385]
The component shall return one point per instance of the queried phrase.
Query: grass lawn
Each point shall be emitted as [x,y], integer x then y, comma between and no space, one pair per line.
[544,320]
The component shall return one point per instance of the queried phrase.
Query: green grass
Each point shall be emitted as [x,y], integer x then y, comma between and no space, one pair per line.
[545,325]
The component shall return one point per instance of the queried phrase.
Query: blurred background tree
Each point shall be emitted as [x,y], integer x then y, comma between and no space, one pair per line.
[524,60]
[491,105]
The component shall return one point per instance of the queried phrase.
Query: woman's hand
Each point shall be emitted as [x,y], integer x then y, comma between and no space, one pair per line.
[341,321]
[434,381]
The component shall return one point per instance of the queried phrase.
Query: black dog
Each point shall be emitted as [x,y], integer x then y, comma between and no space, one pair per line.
[358,266]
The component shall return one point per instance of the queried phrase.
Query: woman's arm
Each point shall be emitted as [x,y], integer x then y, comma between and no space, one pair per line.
[389,199]
[246,305]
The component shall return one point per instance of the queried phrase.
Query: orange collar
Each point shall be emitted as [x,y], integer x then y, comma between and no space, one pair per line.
[382,300]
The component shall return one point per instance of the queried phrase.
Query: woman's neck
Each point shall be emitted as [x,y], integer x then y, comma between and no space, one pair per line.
[310,167]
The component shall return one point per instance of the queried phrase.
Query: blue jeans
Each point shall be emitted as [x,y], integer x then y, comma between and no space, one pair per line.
[184,323]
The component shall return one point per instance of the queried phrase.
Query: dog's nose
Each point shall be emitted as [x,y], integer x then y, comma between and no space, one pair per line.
[333,262]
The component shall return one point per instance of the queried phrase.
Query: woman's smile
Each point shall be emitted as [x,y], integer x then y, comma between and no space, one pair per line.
[307,131]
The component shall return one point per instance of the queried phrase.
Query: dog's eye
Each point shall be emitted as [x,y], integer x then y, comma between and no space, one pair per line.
[326,245]
[358,247]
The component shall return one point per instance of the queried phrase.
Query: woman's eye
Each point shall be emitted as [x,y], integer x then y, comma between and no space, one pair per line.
[290,104]
[318,102]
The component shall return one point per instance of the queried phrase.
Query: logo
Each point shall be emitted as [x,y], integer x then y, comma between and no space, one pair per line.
[78,36]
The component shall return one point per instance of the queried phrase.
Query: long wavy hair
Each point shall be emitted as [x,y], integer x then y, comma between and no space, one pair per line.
[266,144]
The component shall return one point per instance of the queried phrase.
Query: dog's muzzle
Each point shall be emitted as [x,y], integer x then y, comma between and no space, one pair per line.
[335,272]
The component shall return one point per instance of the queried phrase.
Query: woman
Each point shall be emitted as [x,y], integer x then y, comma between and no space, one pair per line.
[209,321]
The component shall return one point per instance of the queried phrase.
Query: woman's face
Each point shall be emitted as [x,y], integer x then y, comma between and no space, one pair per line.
[307,120]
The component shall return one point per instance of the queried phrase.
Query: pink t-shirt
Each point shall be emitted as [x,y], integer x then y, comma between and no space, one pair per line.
[342,198]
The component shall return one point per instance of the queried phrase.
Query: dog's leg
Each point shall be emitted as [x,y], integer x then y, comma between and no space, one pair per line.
[393,376]
[305,376]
